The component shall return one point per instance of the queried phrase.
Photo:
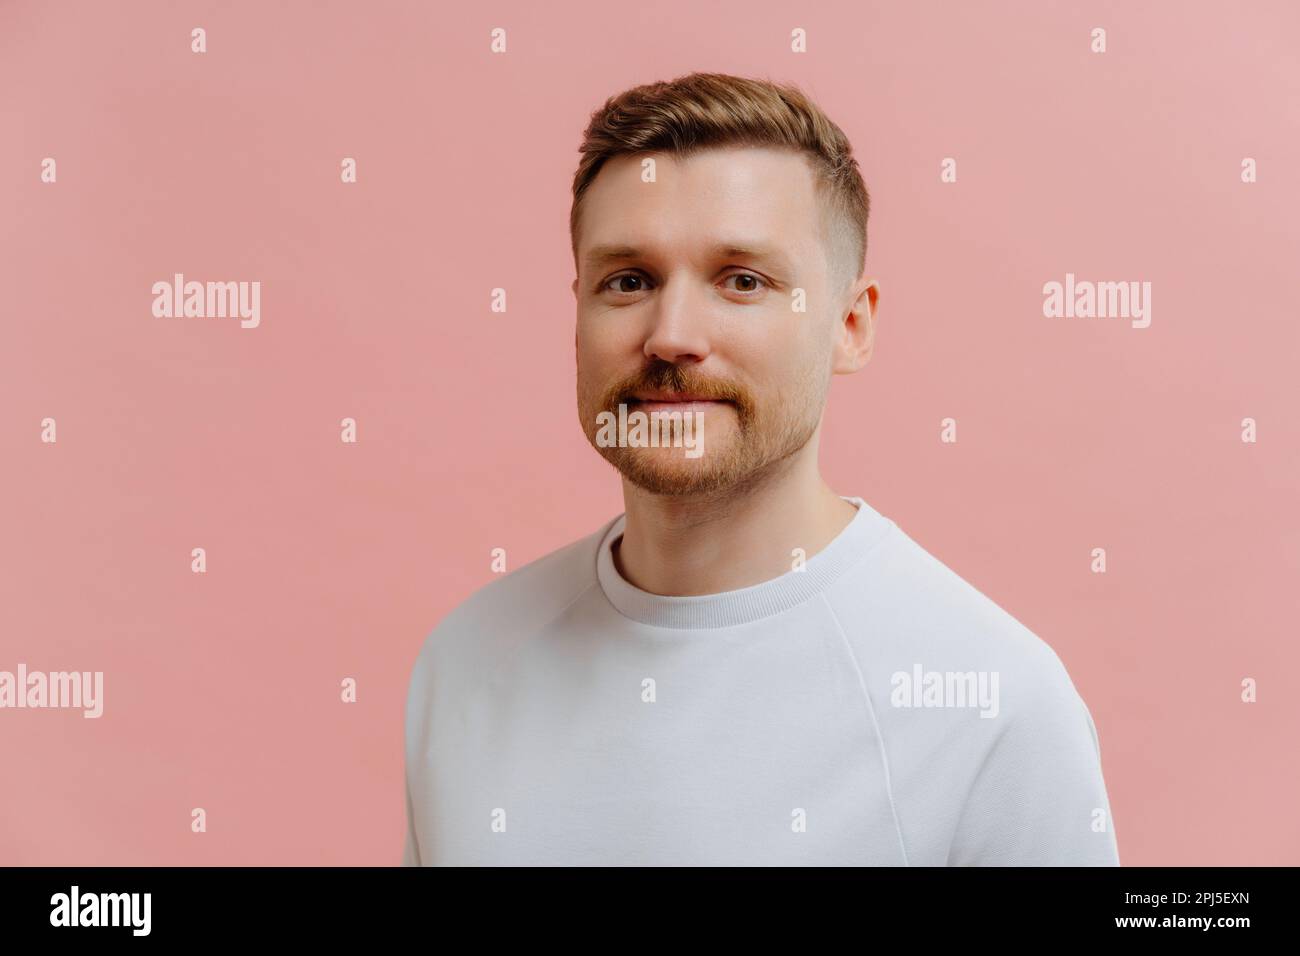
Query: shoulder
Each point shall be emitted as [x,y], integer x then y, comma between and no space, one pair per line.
[903,609]
[971,695]
[508,606]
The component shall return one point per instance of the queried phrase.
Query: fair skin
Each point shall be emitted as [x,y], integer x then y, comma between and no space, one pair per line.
[669,309]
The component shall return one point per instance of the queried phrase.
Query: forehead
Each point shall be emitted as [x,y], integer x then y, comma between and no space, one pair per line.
[760,193]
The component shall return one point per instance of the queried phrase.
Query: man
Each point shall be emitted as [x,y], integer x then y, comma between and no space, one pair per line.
[744,668]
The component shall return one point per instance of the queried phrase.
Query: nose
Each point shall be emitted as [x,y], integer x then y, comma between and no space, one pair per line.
[680,325]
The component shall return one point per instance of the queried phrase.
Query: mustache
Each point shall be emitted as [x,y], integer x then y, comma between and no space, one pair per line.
[667,377]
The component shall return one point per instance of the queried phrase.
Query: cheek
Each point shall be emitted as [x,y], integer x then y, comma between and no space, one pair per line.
[607,349]
[587,346]
[788,362]
[596,361]
[597,337]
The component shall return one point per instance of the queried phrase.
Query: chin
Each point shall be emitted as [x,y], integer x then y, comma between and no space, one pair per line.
[677,478]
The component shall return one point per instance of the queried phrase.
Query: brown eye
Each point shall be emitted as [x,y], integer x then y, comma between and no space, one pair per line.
[627,283]
[748,282]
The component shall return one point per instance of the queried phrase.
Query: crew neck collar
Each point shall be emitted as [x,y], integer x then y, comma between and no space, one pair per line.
[741,606]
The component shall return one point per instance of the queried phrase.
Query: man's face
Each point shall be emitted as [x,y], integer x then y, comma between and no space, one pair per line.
[685,290]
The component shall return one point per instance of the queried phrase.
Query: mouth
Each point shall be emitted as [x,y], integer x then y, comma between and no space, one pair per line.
[674,402]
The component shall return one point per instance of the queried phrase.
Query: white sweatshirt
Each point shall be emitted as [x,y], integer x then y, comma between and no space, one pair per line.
[871,708]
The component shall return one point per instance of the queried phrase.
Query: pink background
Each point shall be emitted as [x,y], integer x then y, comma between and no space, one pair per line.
[328,560]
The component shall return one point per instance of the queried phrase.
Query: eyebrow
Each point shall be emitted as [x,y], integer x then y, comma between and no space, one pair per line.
[605,255]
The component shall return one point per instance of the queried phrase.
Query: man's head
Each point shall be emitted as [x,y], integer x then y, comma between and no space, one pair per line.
[719,237]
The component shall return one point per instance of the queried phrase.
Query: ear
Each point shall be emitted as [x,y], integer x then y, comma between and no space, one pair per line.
[856,332]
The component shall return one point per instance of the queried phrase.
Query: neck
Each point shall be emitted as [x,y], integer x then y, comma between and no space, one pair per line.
[675,545]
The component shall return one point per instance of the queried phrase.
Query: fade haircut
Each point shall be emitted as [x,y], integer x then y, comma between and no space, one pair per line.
[708,110]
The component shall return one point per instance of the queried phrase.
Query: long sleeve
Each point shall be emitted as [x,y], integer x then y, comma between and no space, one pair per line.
[1039,798]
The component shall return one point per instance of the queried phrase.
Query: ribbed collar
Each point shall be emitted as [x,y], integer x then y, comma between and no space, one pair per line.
[728,608]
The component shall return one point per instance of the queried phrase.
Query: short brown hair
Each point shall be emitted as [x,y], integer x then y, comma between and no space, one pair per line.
[702,110]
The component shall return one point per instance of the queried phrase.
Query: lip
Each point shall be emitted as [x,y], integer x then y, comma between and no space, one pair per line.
[683,407]
[673,398]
